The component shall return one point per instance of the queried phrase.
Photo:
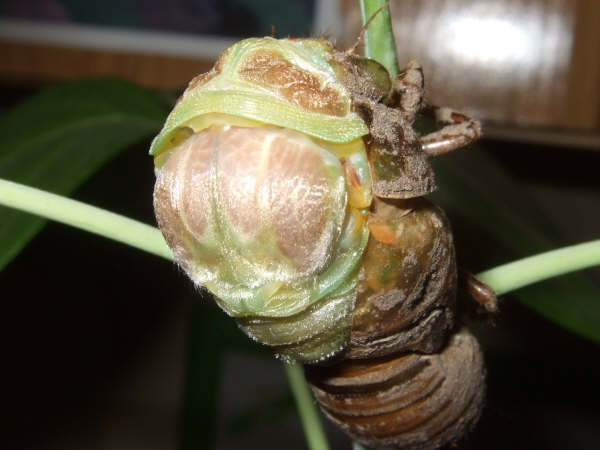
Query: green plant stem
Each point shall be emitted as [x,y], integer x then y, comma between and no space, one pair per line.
[380,45]
[87,217]
[311,422]
[502,279]
[379,36]
[523,272]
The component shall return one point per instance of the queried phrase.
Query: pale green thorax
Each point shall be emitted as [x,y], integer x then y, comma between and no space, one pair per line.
[228,93]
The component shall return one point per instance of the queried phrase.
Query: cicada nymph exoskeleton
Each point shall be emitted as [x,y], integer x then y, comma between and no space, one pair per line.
[290,183]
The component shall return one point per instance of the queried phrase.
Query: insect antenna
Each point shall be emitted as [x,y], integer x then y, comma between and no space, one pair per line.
[365,27]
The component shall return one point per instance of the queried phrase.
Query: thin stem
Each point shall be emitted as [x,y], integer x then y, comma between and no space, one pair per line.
[379,36]
[523,272]
[311,422]
[80,215]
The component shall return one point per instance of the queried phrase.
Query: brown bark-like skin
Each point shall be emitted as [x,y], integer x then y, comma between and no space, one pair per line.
[406,401]
[407,287]
[410,378]
[399,167]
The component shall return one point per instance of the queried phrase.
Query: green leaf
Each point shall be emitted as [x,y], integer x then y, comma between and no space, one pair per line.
[267,411]
[57,139]
[205,357]
[495,221]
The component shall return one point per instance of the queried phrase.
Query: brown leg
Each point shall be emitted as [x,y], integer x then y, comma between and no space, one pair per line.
[480,291]
[461,131]
[408,91]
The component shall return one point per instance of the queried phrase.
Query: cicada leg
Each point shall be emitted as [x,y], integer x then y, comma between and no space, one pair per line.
[481,292]
[460,132]
[409,91]
[483,302]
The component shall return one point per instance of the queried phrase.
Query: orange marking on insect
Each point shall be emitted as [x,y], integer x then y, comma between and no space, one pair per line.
[383,233]
[458,117]
[353,176]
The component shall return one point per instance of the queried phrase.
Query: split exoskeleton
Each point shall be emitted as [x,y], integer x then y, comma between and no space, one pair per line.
[290,183]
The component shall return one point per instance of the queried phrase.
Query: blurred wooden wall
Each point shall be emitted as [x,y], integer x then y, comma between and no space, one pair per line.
[529,68]
[512,63]
[34,63]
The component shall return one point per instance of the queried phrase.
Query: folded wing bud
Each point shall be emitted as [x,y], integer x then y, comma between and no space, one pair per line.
[263,188]
[260,216]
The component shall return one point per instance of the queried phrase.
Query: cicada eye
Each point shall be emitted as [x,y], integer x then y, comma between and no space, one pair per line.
[363,76]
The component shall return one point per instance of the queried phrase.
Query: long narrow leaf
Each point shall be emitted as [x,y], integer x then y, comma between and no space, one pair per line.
[59,138]
[495,221]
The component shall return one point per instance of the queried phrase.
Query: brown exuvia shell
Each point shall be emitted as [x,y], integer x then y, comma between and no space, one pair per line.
[409,378]
[407,401]
[407,286]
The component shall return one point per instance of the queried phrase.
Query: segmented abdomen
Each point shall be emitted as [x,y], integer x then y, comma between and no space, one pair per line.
[408,401]
[410,378]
